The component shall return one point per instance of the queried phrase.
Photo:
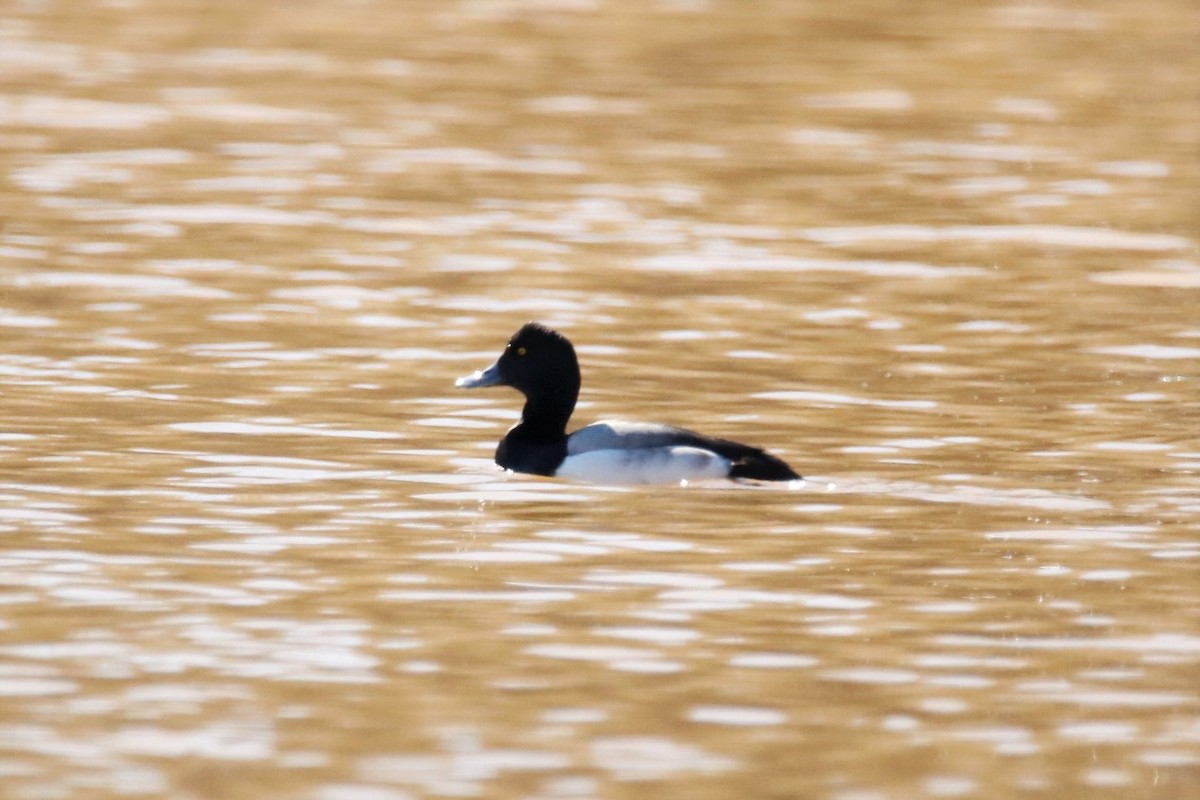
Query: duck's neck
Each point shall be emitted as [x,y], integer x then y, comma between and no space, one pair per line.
[545,415]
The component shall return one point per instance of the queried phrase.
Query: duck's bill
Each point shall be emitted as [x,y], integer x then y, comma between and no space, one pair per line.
[480,378]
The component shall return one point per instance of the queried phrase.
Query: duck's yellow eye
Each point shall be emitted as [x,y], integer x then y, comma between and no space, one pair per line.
[521,351]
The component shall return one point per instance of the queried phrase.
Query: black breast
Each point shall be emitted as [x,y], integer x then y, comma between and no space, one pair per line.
[521,454]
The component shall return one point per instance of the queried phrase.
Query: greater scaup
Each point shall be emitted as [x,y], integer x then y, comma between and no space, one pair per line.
[540,363]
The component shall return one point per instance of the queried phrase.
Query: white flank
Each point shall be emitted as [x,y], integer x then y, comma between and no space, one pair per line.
[643,466]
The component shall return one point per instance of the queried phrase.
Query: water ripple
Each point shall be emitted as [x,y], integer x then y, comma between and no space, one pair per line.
[262,429]
[1038,235]
[736,715]
[644,758]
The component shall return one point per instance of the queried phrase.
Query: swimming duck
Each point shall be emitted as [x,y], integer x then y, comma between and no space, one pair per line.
[540,363]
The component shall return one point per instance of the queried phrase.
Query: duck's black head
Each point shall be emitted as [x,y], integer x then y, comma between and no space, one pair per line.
[539,363]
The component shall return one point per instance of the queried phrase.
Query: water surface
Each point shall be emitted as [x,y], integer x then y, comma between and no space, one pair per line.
[252,543]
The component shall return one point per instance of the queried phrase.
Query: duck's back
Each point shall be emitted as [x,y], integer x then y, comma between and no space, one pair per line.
[619,435]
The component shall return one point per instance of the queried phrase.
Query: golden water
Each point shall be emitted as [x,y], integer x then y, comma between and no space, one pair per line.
[941,257]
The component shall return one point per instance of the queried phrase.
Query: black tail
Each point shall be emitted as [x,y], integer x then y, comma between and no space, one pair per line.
[760,466]
[745,461]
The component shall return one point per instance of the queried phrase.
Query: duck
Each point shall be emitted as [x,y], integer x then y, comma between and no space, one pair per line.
[540,363]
